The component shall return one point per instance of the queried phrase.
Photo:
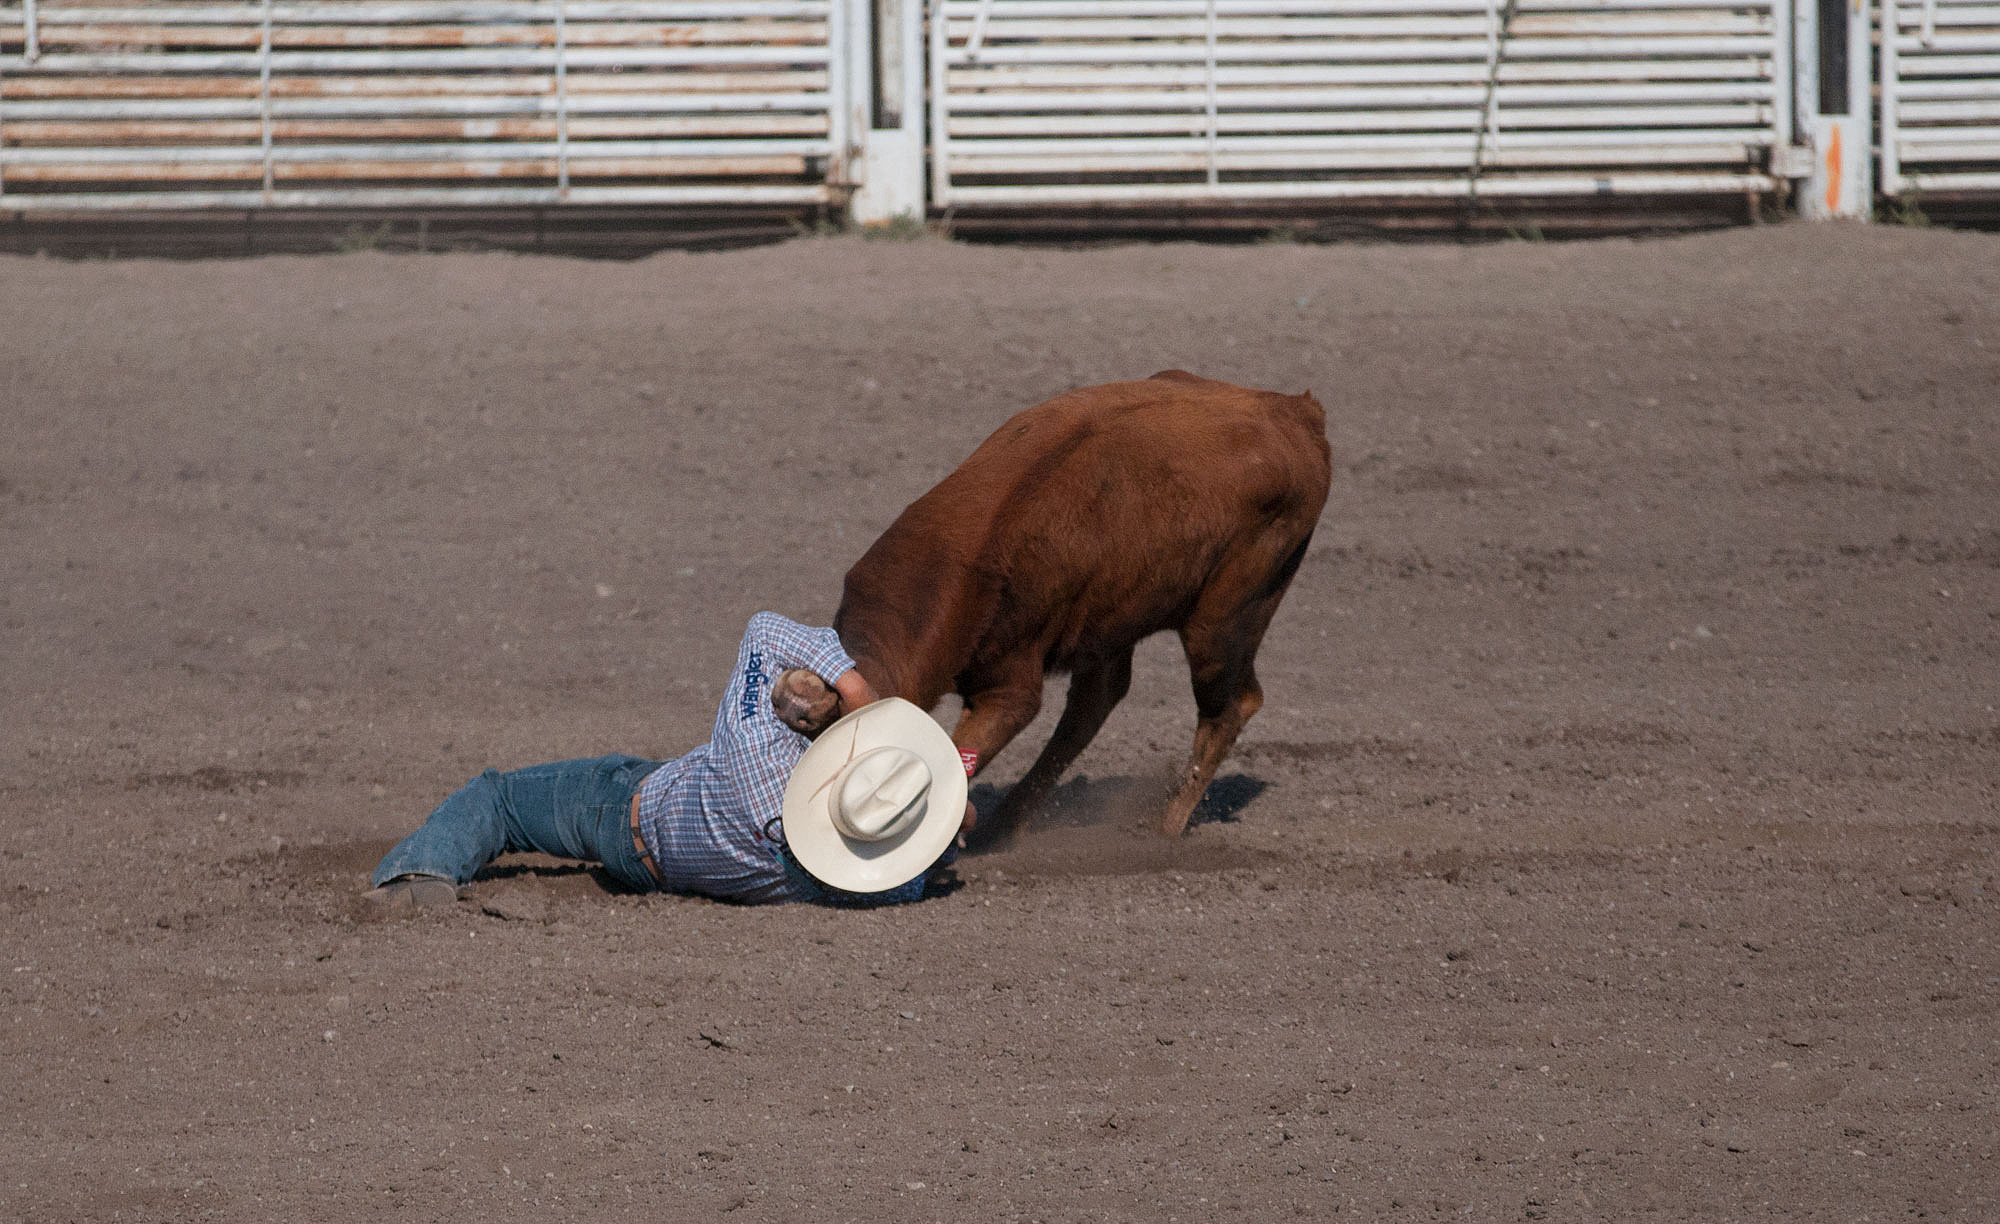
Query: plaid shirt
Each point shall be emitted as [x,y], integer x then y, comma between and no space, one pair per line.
[703,816]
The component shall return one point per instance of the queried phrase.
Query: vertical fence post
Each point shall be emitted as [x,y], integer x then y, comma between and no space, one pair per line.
[1486,115]
[1834,109]
[3,112]
[1860,91]
[1892,166]
[910,35]
[1213,176]
[562,99]
[1794,102]
[1798,46]
[888,114]
[1499,23]
[940,140]
[860,69]
[31,49]
[837,74]
[264,99]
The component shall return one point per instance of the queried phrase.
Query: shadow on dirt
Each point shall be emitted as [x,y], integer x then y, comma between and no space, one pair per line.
[562,876]
[1225,797]
[216,778]
[1084,800]
[1107,826]
[1089,826]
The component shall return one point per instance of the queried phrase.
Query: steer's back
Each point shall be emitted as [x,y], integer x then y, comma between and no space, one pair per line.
[1092,520]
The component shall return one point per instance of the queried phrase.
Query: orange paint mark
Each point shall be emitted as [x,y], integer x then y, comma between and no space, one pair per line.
[1833,169]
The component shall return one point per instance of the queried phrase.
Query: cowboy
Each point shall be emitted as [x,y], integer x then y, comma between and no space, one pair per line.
[808,790]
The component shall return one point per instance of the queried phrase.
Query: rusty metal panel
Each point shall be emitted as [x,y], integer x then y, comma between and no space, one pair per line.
[1054,102]
[240,105]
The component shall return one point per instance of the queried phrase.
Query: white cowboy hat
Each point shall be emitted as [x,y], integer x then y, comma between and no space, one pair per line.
[875,799]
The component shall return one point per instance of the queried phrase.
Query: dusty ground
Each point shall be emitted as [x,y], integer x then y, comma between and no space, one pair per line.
[1619,840]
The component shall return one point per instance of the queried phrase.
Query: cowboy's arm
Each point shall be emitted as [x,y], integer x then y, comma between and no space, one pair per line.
[784,643]
[854,691]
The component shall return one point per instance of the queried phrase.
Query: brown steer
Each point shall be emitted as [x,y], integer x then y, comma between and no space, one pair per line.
[1081,526]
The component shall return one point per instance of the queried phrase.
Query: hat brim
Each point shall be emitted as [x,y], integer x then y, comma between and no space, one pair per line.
[851,864]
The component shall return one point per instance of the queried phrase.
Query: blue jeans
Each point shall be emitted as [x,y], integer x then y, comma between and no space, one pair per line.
[570,809]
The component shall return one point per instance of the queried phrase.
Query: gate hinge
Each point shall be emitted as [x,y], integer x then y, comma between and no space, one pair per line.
[1792,161]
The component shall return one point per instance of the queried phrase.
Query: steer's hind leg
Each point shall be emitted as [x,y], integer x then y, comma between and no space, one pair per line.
[1093,690]
[1225,702]
[1221,638]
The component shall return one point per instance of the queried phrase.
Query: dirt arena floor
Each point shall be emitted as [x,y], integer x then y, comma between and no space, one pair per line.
[1619,839]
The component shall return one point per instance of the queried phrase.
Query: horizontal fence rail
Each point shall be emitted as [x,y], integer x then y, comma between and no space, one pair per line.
[1940,77]
[367,103]
[1041,102]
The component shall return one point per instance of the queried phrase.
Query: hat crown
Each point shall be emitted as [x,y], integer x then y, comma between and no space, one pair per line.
[880,793]
[864,827]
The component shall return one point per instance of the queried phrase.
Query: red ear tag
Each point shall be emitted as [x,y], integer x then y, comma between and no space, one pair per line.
[969,759]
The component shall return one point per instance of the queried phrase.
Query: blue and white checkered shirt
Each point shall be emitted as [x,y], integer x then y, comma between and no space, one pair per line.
[703,816]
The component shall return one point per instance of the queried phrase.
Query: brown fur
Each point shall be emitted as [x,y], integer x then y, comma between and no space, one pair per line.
[1079,527]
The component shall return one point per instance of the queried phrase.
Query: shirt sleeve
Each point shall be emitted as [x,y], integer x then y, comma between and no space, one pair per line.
[772,644]
[786,644]
[752,751]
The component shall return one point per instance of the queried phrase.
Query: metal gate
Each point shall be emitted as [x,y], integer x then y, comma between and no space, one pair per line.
[399,103]
[1940,78]
[1040,102]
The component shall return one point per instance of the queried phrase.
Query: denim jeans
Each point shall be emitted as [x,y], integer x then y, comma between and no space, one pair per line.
[569,809]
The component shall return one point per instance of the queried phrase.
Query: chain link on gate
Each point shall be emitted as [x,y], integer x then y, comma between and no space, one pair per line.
[977,39]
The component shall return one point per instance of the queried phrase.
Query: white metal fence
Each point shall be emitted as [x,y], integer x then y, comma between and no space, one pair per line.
[1940,78]
[395,103]
[226,104]
[1122,101]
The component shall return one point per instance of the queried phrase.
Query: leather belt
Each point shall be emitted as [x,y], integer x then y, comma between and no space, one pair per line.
[639,845]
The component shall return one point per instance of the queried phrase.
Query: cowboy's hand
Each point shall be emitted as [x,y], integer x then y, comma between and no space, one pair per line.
[855,691]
